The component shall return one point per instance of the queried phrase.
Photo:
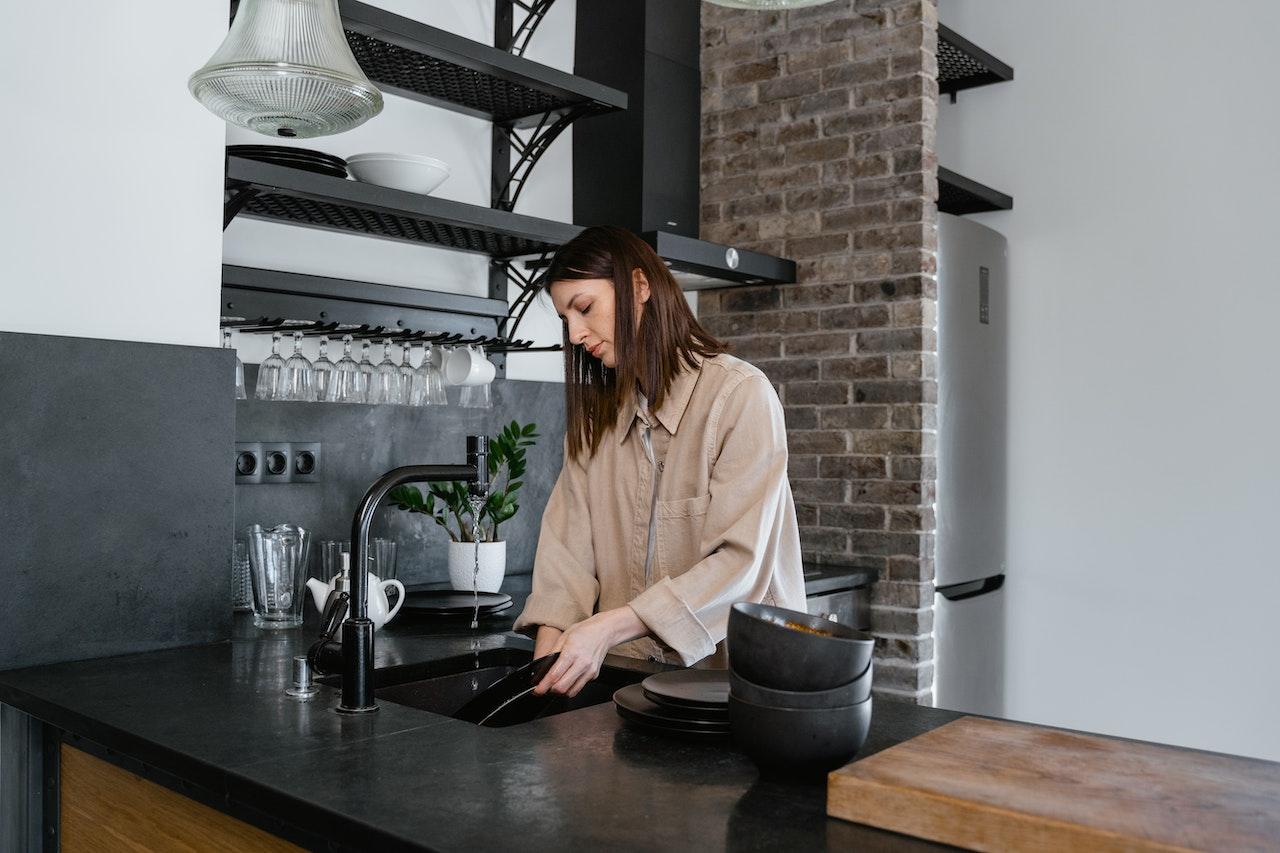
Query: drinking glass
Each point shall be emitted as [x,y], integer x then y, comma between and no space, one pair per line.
[476,397]
[241,588]
[297,378]
[278,570]
[382,558]
[405,372]
[268,387]
[323,370]
[226,344]
[344,384]
[331,551]
[384,385]
[366,372]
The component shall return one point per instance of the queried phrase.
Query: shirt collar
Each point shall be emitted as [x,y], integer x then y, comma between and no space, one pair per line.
[673,407]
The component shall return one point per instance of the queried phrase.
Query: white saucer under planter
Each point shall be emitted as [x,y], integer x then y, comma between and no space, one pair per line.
[462,561]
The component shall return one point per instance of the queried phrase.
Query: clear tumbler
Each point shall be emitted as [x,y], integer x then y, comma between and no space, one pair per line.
[278,560]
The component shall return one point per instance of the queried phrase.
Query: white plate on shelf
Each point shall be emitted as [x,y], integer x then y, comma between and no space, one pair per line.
[414,173]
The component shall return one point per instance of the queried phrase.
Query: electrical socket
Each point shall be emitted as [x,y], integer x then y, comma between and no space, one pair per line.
[248,462]
[305,465]
[277,462]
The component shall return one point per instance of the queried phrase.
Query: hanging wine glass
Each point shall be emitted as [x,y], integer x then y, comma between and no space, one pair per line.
[297,379]
[226,344]
[384,387]
[405,372]
[323,370]
[268,387]
[344,383]
[428,384]
[366,372]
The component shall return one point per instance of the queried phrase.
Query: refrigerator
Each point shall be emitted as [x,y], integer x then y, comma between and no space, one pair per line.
[973,335]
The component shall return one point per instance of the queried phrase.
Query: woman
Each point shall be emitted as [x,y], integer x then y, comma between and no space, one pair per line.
[673,502]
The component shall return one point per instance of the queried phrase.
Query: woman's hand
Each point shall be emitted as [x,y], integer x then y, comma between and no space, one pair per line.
[583,646]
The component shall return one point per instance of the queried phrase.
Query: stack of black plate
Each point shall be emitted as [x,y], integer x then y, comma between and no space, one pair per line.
[296,158]
[453,603]
[687,702]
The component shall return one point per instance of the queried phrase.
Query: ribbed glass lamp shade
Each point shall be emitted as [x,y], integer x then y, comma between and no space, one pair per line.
[285,70]
[768,5]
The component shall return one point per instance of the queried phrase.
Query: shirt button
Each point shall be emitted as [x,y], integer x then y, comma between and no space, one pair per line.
[661,465]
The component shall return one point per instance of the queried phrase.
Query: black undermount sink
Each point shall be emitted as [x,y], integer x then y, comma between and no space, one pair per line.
[444,686]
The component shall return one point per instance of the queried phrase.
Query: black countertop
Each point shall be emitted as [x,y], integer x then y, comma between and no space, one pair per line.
[213,722]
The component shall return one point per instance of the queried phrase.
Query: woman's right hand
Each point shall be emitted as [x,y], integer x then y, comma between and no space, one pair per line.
[547,641]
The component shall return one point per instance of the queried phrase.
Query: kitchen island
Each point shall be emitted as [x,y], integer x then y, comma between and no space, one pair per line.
[213,724]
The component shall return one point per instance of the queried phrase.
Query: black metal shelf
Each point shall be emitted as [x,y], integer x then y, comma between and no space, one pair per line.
[960,195]
[418,61]
[964,65]
[279,193]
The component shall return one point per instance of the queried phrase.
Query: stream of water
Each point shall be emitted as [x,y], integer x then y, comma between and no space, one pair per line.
[476,504]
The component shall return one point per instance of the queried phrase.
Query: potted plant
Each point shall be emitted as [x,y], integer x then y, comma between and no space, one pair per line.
[449,503]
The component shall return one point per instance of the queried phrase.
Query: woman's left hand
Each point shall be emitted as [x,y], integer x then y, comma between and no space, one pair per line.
[583,646]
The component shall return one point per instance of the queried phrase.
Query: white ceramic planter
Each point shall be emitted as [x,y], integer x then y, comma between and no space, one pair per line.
[462,561]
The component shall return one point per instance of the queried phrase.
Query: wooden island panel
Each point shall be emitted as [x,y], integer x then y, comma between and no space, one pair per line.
[105,808]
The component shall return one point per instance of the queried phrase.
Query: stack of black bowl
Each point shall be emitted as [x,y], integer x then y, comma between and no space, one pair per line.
[799,689]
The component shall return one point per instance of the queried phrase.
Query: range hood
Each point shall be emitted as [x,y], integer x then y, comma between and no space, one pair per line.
[639,167]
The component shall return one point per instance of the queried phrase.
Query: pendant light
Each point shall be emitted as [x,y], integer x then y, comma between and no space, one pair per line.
[768,5]
[285,70]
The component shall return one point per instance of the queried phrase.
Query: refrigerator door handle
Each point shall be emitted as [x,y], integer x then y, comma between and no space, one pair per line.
[971,589]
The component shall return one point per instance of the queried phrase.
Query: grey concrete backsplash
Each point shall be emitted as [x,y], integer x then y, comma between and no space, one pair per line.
[359,443]
[116,492]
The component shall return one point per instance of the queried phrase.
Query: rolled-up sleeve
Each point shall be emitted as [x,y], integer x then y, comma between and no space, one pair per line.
[565,588]
[749,516]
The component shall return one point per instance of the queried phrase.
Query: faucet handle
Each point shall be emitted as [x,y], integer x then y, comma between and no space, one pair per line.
[325,654]
[335,610]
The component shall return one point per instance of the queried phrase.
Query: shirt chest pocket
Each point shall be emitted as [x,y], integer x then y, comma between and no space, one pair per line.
[680,525]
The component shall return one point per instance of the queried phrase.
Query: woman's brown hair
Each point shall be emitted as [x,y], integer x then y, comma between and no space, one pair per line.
[667,340]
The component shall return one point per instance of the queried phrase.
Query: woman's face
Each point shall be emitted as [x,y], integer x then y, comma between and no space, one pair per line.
[588,308]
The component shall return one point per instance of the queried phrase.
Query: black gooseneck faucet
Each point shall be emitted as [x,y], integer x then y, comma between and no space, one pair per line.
[355,652]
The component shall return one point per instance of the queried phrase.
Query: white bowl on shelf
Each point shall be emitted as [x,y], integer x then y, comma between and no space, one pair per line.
[414,173]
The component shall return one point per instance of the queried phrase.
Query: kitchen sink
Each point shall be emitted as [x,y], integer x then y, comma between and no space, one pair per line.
[445,686]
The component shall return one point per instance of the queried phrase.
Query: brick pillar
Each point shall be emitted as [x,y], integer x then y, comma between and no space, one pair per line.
[818,145]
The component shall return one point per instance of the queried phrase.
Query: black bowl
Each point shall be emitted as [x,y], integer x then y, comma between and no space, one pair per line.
[817,655]
[858,690]
[799,741]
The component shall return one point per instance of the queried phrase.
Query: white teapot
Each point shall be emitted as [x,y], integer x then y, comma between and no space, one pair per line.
[380,612]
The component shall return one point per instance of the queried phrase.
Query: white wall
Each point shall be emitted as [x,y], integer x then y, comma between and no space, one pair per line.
[109,227]
[1138,142]
[462,142]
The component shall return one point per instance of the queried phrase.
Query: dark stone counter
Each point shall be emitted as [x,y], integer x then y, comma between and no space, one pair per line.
[213,722]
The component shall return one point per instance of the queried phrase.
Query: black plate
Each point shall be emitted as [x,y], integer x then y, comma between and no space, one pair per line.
[635,708]
[287,151]
[690,688]
[453,602]
[510,699]
[311,161]
[305,165]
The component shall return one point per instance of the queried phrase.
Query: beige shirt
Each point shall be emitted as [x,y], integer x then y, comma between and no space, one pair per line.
[699,492]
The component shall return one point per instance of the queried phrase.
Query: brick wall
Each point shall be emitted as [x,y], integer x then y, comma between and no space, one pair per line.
[818,145]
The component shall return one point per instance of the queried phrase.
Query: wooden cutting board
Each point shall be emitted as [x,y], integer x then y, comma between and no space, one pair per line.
[996,785]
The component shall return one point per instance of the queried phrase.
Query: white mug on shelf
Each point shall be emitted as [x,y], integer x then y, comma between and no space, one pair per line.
[469,366]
